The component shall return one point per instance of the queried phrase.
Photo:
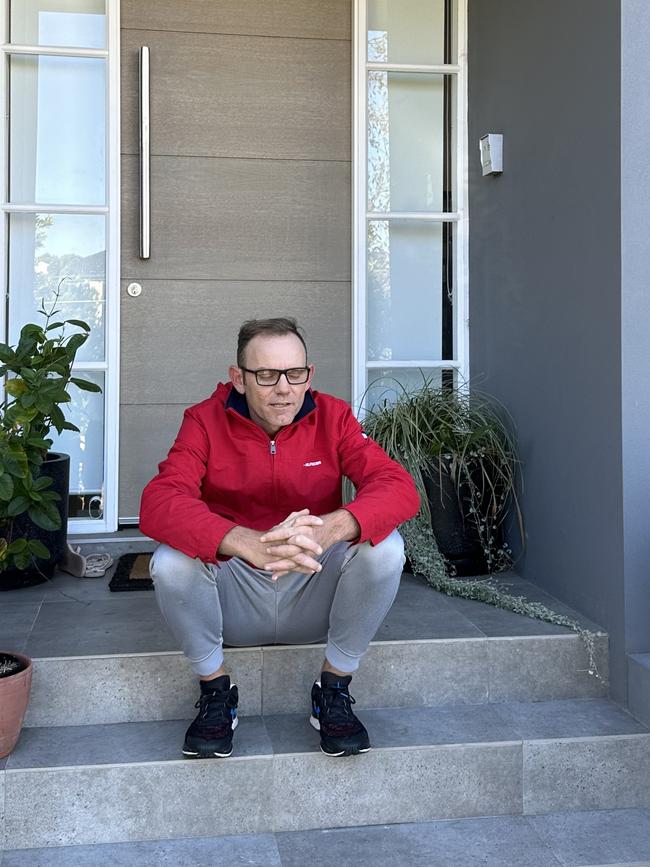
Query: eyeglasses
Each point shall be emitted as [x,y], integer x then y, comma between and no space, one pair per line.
[269,376]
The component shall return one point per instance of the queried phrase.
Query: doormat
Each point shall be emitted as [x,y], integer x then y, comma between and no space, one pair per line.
[132,573]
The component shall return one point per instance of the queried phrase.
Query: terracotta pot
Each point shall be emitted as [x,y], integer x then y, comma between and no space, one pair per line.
[14,695]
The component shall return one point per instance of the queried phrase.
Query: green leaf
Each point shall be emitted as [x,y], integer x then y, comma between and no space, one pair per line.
[75,342]
[43,519]
[38,443]
[23,559]
[58,419]
[6,487]
[17,546]
[79,323]
[16,464]
[67,425]
[85,385]
[38,549]
[54,325]
[41,483]
[6,353]
[17,506]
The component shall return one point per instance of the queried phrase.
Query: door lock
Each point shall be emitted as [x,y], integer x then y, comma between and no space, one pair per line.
[134,290]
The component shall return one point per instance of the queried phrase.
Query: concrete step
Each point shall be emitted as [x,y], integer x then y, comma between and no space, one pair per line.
[612,838]
[129,687]
[127,782]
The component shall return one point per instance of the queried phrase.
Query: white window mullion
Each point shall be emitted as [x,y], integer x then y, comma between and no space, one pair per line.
[360,207]
[362,217]
[112,357]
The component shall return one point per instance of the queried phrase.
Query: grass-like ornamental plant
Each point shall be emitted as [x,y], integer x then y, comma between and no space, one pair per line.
[468,437]
[438,434]
[38,374]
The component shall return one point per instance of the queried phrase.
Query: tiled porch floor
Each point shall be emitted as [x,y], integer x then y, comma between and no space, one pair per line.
[78,616]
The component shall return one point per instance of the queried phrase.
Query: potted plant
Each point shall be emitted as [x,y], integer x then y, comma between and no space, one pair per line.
[458,447]
[15,684]
[33,479]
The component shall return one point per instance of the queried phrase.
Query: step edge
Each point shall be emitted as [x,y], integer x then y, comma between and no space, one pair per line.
[464,745]
[272,648]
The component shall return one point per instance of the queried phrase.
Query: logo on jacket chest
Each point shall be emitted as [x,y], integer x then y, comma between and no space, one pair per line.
[312,463]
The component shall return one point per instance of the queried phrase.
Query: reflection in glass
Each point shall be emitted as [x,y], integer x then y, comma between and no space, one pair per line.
[64,23]
[386,384]
[86,448]
[406,31]
[45,249]
[405,141]
[404,290]
[57,140]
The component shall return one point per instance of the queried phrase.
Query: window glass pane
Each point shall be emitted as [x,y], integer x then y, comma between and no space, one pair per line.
[68,23]
[406,31]
[405,141]
[86,448]
[385,384]
[405,290]
[57,137]
[43,250]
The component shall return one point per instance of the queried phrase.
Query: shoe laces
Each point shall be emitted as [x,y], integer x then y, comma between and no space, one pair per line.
[338,702]
[215,706]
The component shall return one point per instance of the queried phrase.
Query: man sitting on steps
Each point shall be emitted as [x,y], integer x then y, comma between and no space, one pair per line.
[256,546]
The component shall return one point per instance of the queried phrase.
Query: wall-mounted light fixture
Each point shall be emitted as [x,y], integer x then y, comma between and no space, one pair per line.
[491,147]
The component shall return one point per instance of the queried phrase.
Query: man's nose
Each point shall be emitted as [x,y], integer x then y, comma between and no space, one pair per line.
[283,383]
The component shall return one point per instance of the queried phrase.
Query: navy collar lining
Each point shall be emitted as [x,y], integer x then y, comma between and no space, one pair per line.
[239,403]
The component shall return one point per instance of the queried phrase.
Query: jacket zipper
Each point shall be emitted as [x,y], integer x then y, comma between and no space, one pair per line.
[273,451]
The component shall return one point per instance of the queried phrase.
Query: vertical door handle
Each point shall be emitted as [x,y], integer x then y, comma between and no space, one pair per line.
[145,167]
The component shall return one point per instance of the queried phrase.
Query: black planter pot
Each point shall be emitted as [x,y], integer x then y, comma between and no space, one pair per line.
[57,467]
[456,534]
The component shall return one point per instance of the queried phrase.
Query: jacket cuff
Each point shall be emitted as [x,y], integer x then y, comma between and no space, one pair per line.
[209,554]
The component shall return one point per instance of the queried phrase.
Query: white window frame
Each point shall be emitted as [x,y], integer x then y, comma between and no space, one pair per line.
[111,366]
[361,215]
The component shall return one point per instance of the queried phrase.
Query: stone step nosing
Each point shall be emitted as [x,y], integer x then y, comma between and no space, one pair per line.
[280,648]
[444,782]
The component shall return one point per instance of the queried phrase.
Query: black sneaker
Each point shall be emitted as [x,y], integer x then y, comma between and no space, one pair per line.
[341,733]
[211,732]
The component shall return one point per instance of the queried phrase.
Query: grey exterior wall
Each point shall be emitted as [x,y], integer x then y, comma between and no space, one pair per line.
[635,272]
[545,283]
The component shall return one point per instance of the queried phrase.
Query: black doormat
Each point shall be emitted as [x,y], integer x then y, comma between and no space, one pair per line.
[132,573]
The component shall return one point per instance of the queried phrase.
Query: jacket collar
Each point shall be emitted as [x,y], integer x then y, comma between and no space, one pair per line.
[239,404]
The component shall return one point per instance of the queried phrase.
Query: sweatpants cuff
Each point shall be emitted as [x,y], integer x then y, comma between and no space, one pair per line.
[341,660]
[210,664]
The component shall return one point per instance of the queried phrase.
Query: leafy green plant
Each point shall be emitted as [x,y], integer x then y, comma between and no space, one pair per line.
[435,431]
[38,373]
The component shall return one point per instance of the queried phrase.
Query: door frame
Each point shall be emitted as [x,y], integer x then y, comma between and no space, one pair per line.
[459,217]
[111,366]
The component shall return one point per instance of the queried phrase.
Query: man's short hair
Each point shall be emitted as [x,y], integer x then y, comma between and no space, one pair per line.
[272,327]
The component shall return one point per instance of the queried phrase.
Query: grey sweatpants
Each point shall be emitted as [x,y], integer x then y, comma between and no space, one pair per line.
[232,602]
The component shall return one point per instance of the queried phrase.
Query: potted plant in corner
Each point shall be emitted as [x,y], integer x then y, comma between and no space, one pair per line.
[15,684]
[460,452]
[33,479]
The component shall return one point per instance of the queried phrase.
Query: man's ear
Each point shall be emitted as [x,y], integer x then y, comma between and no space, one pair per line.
[312,368]
[237,378]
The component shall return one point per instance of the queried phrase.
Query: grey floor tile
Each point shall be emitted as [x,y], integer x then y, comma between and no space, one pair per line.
[16,623]
[61,746]
[254,850]
[493,842]
[568,718]
[496,622]
[95,627]
[421,612]
[400,727]
[600,837]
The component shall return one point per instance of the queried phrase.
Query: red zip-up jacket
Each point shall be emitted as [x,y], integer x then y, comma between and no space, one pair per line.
[224,470]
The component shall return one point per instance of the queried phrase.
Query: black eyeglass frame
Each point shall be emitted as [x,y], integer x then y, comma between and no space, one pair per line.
[307,370]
